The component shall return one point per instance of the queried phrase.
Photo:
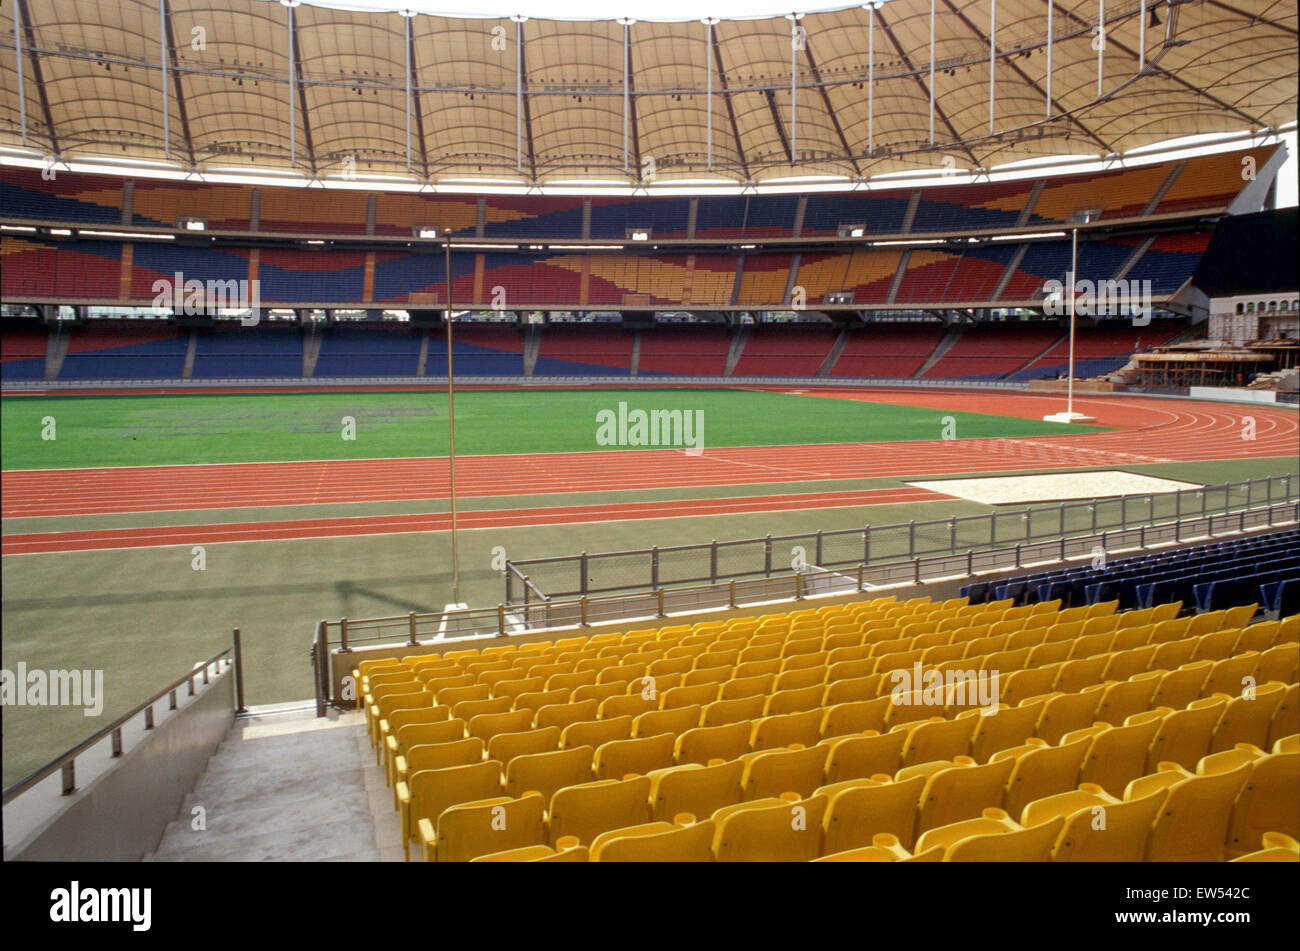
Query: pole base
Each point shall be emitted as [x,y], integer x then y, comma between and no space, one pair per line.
[1064,417]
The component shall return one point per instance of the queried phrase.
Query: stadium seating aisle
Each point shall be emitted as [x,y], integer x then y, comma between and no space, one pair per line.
[783,737]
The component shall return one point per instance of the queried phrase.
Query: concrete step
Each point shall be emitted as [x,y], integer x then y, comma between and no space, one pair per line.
[287,786]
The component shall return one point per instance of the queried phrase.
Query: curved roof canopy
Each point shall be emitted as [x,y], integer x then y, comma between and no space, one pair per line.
[846,94]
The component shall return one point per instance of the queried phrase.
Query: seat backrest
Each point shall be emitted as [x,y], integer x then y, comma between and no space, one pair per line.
[695,789]
[588,809]
[867,808]
[1192,826]
[547,772]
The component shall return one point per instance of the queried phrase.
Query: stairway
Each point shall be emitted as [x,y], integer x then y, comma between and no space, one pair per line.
[287,786]
[191,347]
[739,334]
[944,345]
[833,357]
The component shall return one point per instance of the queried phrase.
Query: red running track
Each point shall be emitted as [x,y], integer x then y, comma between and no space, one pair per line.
[25,544]
[1147,431]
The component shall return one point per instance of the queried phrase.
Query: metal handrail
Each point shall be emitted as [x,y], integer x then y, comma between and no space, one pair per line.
[864,576]
[868,548]
[66,761]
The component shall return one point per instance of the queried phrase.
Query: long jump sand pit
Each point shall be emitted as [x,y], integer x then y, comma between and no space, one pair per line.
[1055,487]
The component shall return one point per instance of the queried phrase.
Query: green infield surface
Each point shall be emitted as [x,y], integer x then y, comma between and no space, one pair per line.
[91,431]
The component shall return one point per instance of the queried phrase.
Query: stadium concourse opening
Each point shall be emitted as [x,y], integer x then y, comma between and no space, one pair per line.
[856,434]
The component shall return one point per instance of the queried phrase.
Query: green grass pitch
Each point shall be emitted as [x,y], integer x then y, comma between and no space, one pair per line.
[214,428]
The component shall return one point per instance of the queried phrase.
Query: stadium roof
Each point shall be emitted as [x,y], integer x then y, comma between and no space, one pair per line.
[322,90]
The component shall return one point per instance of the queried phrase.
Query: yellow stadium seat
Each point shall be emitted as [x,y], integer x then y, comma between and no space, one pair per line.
[570,681]
[702,744]
[463,752]
[694,789]
[773,772]
[1286,721]
[863,756]
[1121,700]
[962,791]
[1044,771]
[547,772]
[675,721]
[995,837]
[1192,824]
[860,809]
[1118,755]
[586,810]
[506,746]
[599,691]
[938,739]
[1259,636]
[1067,712]
[769,830]
[632,705]
[595,732]
[1277,848]
[1184,735]
[1246,718]
[389,726]
[428,792]
[534,700]
[730,711]
[468,830]
[842,719]
[1266,803]
[467,710]
[700,694]
[793,701]
[656,842]
[780,731]
[756,668]
[1279,663]
[1098,826]
[1075,675]
[538,853]
[618,758]
[849,689]
[1005,727]
[564,714]
[488,725]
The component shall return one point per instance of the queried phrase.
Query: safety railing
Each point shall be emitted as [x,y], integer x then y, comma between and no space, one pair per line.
[423,630]
[67,763]
[593,573]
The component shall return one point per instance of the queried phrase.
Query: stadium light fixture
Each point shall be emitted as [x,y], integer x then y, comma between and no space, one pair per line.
[638,234]
[194,224]
[426,232]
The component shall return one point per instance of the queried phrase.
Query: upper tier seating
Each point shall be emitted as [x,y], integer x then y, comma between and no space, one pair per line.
[1203,183]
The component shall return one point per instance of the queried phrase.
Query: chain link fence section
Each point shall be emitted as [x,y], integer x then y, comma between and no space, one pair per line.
[649,569]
